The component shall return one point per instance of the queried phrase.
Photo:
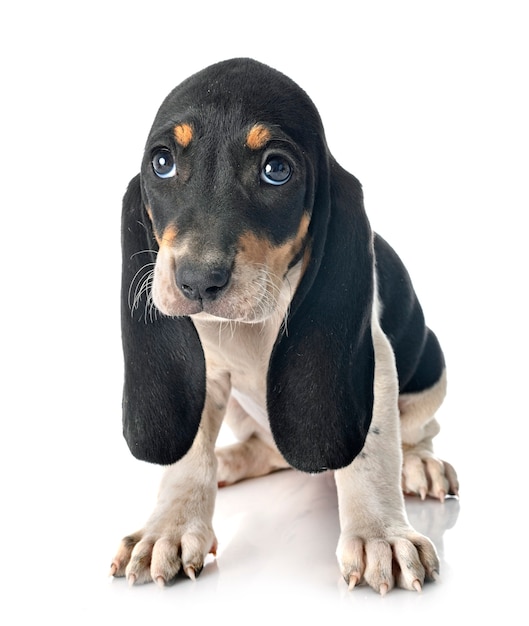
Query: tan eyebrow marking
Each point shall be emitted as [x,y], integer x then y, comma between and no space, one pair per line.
[183,134]
[257,137]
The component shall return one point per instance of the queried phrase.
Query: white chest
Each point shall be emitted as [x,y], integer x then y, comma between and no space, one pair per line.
[242,350]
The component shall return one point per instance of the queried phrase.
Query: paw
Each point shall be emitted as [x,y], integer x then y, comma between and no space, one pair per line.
[246,459]
[232,464]
[406,560]
[424,474]
[159,554]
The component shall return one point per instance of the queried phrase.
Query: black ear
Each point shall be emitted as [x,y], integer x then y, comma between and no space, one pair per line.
[164,389]
[320,379]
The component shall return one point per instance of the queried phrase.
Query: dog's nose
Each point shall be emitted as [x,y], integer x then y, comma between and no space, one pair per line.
[202,284]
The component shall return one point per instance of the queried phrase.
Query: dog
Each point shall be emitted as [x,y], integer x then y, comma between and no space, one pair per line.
[254,291]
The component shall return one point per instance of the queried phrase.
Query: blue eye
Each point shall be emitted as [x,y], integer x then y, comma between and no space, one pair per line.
[163,163]
[276,170]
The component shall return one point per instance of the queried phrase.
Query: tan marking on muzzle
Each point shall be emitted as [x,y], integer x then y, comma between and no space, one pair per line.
[168,236]
[258,250]
[149,213]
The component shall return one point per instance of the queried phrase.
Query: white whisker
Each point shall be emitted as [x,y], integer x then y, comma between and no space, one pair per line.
[155,252]
[141,288]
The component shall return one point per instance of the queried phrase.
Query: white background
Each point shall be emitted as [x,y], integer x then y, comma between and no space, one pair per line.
[426,103]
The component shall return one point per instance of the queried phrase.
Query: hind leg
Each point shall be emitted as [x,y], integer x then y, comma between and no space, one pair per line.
[423,473]
[254,455]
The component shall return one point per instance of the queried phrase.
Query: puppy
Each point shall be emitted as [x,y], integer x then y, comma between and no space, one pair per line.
[254,291]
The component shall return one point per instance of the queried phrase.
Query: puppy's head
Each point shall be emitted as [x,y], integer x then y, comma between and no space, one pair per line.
[240,201]
[228,181]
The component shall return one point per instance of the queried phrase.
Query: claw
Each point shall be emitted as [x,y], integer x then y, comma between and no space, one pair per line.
[423,493]
[213,549]
[417,586]
[131,579]
[190,572]
[113,569]
[384,588]
[442,496]
[434,575]
[353,581]
[160,581]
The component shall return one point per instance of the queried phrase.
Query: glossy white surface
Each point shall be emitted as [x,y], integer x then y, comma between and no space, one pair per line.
[427,105]
[277,536]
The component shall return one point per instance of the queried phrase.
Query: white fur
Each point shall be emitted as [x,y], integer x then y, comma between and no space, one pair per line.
[375,533]
[374,527]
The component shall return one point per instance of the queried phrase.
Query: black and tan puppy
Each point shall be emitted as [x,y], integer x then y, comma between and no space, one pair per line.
[254,290]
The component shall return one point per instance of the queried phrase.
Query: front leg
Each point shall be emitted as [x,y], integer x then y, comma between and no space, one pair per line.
[424,473]
[377,544]
[179,533]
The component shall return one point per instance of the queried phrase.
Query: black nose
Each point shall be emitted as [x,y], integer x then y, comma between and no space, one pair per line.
[198,283]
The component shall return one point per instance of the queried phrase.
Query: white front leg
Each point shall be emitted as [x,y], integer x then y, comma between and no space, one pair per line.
[179,533]
[377,544]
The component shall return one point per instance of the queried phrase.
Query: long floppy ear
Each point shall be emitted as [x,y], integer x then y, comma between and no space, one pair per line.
[164,388]
[321,373]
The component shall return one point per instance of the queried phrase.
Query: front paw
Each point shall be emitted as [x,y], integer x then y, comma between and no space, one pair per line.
[160,553]
[406,560]
[424,474]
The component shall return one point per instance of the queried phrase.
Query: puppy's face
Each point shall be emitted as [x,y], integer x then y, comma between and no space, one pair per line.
[229,201]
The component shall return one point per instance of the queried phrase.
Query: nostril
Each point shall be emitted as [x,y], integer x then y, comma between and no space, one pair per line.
[201,283]
[188,291]
[218,279]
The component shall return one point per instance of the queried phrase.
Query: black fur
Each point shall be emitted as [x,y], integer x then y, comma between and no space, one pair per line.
[419,358]
[320,377]
[321,372]
[165,379]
